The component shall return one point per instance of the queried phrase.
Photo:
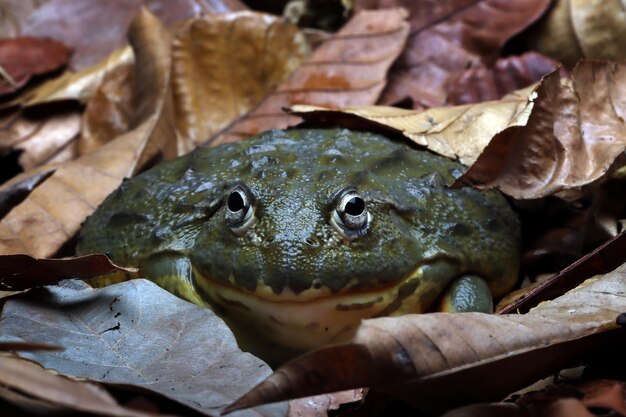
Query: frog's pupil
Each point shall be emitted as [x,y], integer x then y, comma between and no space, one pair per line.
[235,201]
[355,206]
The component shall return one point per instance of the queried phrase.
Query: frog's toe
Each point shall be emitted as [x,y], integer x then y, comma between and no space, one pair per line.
[467,293]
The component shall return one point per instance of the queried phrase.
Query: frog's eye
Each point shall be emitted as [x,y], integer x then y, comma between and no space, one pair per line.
[239,208]
[350,217]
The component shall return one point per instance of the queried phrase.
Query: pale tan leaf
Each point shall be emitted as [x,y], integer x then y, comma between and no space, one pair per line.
[467,353]
[573,136]
[40,134]
[577,29]
[41,224]
[225,64]
[456,132]
[349,69]
[74,85]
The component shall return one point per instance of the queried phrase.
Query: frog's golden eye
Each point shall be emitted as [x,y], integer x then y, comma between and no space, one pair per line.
[240,209]
[350,216]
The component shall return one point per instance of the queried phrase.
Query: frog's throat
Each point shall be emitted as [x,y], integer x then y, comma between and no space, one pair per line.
[308,320]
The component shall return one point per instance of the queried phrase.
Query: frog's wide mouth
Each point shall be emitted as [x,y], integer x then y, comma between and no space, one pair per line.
[265,293]
[308,320]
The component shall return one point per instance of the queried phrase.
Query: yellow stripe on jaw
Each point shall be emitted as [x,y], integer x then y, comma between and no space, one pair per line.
[307,322]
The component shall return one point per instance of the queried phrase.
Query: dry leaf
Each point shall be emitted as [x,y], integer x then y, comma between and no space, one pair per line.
[136,333]
[108,111]
[78,86]
[480,83]
[93,31]
[575,29]
[348,69]
[41,135]
[15,191]
[21,58]
[12,14]
[466,353]
[29,379]
[42,224]
[20,272]
[606,394]
[573,135]
[322,405]
[447,38]
[225,64]
[603,259]
[456,132]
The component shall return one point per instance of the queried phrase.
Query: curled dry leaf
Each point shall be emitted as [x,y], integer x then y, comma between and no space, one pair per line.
[41,224]
[21,58]
[573,30]
[572,137]
[467,353]
[447,38]
[28,378]
[225,64]
[136,333]
[348,69]
[456,132]
[93,32]
[20,272]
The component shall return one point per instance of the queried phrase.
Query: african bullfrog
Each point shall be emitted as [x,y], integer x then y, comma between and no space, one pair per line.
[294,236]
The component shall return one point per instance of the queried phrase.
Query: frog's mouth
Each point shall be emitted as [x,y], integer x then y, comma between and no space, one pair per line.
[317,316]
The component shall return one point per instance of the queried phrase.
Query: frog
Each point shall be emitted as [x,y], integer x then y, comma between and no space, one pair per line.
[294,236]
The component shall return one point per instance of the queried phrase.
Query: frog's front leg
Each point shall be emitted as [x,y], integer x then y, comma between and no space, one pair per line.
[467,293]
[171,271]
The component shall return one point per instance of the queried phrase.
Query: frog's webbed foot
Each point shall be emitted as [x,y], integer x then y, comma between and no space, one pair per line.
[467,293]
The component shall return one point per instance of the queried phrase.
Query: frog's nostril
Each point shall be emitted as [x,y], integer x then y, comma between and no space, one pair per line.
[312,242]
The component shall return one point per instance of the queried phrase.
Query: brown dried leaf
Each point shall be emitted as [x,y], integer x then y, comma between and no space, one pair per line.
[465,353]
[480,83]
[225,64]
[28,378]
[108,111]
[456,132]
[21,58]
[136,333]
[347,70]
[42,223]
[447,38]
[575,29]
[20,272]
[93,31]
[573,135]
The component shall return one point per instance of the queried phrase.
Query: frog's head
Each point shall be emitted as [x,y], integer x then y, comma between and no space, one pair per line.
[309,239]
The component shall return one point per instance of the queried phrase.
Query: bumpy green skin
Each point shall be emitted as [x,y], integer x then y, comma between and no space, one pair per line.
[173,216]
